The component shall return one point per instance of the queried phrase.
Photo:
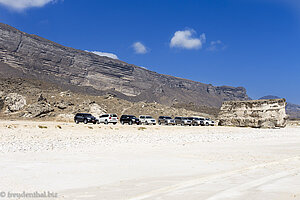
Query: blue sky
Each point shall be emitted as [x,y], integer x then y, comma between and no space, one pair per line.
[249,43]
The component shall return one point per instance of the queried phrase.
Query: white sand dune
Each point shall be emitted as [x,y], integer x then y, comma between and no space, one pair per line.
[159,162]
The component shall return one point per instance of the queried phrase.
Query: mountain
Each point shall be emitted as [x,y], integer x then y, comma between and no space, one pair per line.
[293,110]
[30,56]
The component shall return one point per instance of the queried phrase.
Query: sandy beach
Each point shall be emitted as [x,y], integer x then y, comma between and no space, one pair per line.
[149,162]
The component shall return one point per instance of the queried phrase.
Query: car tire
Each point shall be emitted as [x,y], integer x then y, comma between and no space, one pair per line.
[159,123]
[122,122]
[106,122]
[146,123]
[130,123]
[76,121]
[182,124]
[85,121]
[115,123]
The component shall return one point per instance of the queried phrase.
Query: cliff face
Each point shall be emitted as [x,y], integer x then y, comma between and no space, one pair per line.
[49,61]
[266,113]
[293,110]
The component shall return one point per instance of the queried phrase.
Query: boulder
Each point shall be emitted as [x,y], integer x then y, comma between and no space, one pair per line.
[267,124]
[62,105]
[39,109]
[42,98]
[65,117]
[14,102]
[96,110]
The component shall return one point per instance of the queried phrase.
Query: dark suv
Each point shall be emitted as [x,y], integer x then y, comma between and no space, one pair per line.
[166,120]
[130,119]
[85,118]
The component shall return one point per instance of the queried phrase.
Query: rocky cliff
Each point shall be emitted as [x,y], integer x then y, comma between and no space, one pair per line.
[268,113]
[33,56]
[293,110]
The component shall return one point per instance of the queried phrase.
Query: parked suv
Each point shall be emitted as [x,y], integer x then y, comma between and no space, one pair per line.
[166,120]
[204,122]
[196,121]
[85,118]
[144,119]
[183,121]
[209,122]
[130,119]
[108,118]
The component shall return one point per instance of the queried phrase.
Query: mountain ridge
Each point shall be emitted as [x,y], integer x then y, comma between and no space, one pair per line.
[44,59]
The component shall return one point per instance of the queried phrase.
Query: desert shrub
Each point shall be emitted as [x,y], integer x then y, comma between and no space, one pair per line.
[142,128]
[59,126]
[41,126]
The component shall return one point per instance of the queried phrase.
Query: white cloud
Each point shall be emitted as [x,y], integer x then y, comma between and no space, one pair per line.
[216,46]
[143,67]
[139,48]
[187,40]
[20,5]
[110,55]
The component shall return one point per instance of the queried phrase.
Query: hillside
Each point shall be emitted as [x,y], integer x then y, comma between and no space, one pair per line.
[30,56]
[22,98]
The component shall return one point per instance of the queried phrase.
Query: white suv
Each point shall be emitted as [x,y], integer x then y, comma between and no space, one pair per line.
[210,122]
[207,121]
[108,118]
[144,119]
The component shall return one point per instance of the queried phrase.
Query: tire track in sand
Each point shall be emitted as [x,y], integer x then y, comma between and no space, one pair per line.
[198,181]
[241,189]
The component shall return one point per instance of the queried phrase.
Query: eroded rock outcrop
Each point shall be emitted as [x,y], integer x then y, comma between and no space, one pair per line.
[254,113]
[39,109]
[14,102]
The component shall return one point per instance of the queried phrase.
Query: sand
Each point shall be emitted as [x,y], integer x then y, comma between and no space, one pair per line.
[156,162]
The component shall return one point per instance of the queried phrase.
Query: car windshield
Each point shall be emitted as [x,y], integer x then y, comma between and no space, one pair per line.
[207,119]
[201,118]
[114,115]
[184,118]
[132,116]
[88,115]
[168,118]
[190,118]
[149,117]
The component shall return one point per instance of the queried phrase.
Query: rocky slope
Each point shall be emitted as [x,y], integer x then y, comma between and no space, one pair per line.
[293,110]
[22,98]
[30,56]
